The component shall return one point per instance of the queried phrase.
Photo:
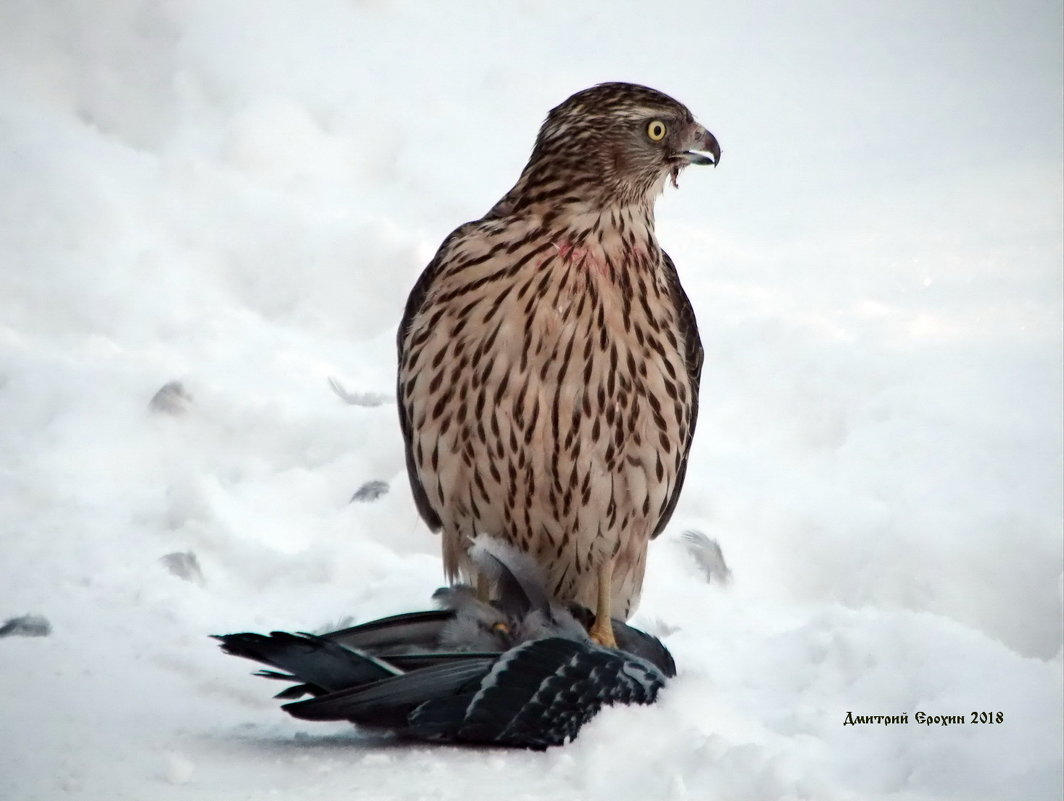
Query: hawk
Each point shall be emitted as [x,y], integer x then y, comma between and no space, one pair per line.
[549,359]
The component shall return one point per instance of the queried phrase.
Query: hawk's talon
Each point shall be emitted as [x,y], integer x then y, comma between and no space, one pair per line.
[601,633]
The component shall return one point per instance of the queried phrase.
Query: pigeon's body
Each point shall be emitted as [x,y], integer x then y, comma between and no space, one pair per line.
[516,672]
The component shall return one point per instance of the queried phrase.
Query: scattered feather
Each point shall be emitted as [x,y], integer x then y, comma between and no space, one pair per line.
[184,565]
[358,398]
[172,398]
[708,556]
[26,626]
[370,491]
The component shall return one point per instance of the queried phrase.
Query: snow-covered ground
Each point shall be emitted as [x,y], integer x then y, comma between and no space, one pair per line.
[239,195]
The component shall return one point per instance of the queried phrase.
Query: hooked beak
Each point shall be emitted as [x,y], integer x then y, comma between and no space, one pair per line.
[702,147]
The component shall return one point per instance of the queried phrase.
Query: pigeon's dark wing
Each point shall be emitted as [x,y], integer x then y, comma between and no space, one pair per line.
[537,695]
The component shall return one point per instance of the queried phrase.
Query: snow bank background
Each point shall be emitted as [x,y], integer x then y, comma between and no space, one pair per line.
[238,196]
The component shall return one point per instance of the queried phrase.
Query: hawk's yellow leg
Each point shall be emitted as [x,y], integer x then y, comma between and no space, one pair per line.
[602,629]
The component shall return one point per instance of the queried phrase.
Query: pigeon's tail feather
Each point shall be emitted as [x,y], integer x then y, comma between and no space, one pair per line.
[321,665]
[415,631]
[389,702]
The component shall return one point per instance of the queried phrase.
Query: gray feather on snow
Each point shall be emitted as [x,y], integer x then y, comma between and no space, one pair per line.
[708,556]
[26,626]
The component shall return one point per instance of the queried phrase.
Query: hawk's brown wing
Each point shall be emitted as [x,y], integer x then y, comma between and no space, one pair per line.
[693,356]
[414,305]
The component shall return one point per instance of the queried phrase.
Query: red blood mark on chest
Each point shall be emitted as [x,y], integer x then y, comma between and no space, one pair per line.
[583,257]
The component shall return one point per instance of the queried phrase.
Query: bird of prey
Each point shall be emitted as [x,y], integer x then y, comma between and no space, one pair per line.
[519,671]
[549,359]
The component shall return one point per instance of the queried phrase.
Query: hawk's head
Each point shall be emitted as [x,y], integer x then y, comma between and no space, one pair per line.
[614,144]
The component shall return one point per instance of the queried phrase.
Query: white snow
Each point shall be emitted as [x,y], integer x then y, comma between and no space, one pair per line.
[239,195]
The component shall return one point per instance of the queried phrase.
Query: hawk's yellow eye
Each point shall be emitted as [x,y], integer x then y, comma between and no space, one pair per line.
[656,131]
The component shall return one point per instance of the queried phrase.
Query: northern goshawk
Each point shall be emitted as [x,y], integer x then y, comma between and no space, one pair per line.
[549,359]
